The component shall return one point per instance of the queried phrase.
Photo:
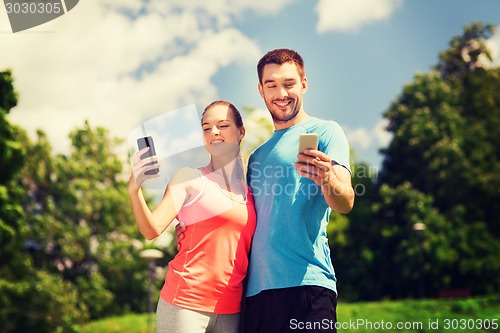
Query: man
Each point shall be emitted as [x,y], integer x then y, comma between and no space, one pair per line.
[291,281]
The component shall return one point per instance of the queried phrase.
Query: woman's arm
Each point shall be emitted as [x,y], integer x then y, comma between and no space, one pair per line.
[152,223]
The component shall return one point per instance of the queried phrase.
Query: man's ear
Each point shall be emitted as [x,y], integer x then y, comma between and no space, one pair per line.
[261,90]
[304,84]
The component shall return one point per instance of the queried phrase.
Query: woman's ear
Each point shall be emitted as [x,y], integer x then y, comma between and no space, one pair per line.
[242,133]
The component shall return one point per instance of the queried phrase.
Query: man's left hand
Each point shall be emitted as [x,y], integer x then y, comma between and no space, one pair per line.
[315,165]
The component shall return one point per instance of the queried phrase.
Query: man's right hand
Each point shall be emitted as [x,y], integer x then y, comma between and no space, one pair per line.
[179,235]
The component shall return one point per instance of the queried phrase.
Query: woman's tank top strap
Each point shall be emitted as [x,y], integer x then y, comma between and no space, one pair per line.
[207,173]
[210,177]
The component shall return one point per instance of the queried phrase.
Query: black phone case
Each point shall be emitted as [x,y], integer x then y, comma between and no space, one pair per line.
[144,142]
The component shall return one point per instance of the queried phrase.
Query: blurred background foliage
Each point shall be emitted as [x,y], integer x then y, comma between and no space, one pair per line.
[441,170]
[425,225]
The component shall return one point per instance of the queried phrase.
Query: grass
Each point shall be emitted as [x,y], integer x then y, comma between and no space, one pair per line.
[455,315]
[458,315]
[131,323]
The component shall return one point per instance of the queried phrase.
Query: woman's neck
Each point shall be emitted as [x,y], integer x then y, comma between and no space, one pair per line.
[230,168]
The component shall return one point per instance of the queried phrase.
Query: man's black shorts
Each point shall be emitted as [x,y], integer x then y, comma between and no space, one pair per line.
[297,309]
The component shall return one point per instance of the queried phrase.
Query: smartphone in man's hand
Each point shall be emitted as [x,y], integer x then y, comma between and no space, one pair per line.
[308,141]
[144,142]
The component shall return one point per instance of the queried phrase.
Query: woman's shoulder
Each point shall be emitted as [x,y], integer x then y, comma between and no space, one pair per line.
[185,175]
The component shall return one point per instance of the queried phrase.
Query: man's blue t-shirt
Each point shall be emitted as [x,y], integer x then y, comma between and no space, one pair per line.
[290,247]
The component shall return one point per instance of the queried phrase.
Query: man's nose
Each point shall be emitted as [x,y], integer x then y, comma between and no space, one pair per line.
[283,92]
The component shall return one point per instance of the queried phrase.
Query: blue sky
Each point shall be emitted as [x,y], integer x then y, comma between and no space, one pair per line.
[355,74]
[118,63]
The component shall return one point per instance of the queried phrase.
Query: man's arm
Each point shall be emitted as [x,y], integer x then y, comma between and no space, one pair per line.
[337,189]
[335,180]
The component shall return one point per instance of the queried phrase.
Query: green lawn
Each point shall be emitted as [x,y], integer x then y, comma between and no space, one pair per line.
[131,323]
[463,315]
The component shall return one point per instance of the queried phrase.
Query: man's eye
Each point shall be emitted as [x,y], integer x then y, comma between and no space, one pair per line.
[223,126]
[206,129]
[271,87]
[289,85]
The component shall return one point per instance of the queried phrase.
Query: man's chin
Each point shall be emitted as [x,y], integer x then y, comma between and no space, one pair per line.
[283,116]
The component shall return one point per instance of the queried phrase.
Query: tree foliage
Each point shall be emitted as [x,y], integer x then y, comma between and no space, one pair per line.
[30,300]
[69,246]
[446,149]
[353,238]
[12,159]
[467,52]
[442,170]
[79,214]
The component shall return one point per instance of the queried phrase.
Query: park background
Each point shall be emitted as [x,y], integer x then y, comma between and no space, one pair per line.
[414,84]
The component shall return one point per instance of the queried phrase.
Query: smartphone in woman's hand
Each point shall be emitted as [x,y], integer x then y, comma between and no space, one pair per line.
[144,142]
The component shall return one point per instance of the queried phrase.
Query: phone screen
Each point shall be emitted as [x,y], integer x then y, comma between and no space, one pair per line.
[144,142]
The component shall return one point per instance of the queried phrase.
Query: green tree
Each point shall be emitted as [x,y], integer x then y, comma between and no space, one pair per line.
[466,51]
[410,264]
[353,238]
[444,156]
[11,161]
[29,300]
[80,215]
[259,127]
[14,264]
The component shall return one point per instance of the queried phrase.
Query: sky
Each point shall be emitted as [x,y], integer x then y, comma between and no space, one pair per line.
[120,63]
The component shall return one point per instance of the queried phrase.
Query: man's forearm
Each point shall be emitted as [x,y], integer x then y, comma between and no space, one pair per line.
[338,193]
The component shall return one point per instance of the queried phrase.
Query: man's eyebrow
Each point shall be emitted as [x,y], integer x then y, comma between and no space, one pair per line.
[286,80]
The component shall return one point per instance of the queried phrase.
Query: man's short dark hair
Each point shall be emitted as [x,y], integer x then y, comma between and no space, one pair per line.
[280,56]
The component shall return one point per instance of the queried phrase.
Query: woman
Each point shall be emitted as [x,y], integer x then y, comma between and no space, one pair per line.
[203,286]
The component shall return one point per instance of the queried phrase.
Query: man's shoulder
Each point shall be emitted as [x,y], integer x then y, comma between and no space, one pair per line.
[323,125]
[262,148]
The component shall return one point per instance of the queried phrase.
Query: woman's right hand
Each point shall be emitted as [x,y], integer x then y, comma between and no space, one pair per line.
[140,167]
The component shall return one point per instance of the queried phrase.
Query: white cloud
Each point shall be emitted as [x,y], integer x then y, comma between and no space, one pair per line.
[345,15]
[381,134]
[493,45]
[222,7]
[104,62]
[363,138]
[360,137]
